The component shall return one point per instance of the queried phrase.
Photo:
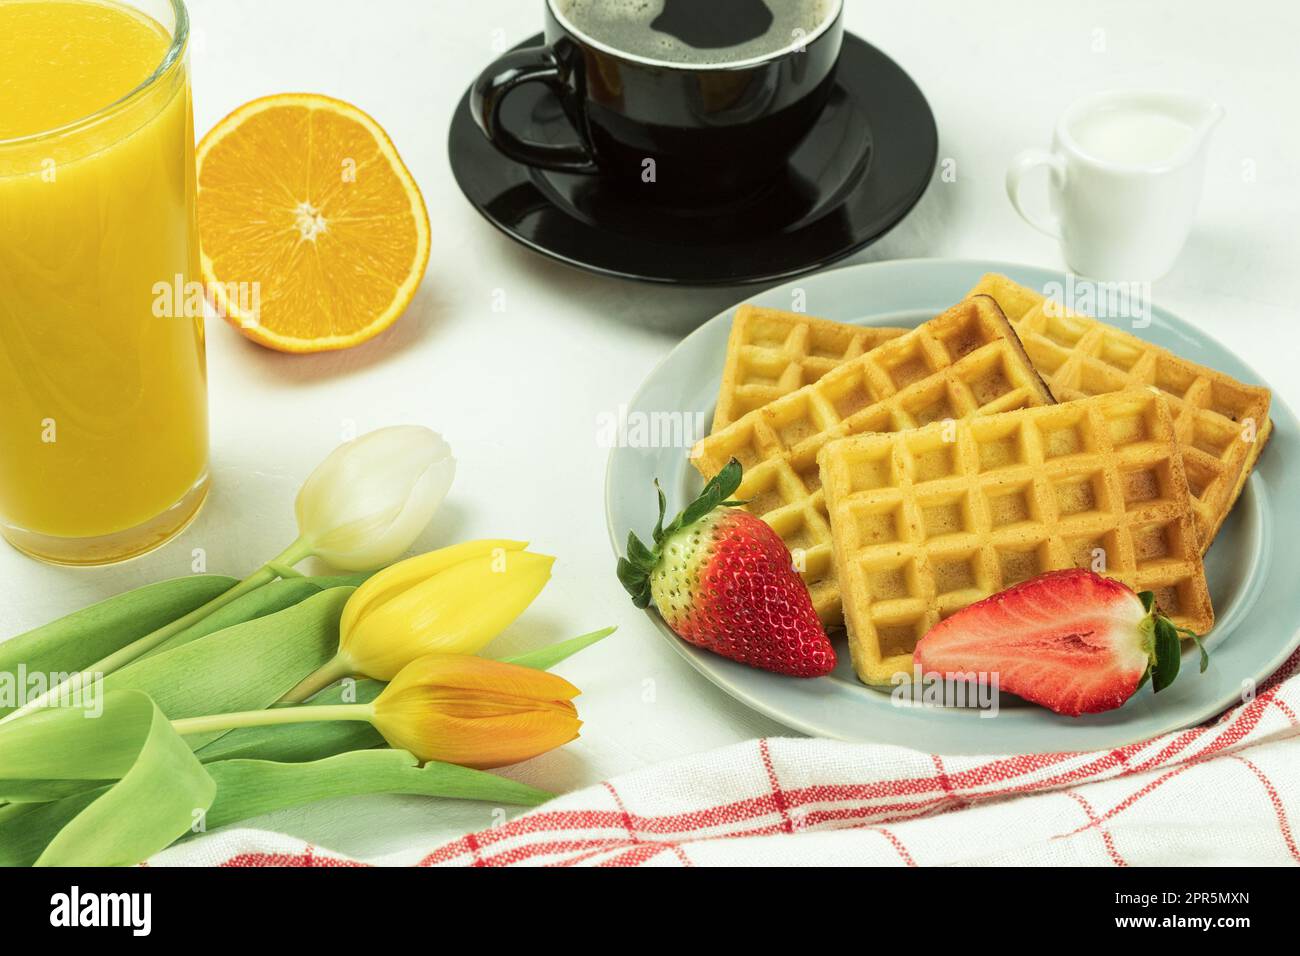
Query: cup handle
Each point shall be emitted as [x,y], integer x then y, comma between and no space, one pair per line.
[1024,162]
[530,65]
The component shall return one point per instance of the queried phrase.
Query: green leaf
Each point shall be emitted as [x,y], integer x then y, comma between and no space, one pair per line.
[326,581]
[1205,655]
[246,667]
[267,599]
[663,509]
[160,785]
[249,788]
[729,478]
[640,556]
[295,743]
[632,578]
[20,790]
[1148,599]
[27,828]
[67,645]
[70,743]
[543,659]
[697,509]
[718,489]
[1169,653]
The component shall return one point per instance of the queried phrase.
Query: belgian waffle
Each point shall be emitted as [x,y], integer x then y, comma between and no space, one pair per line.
[965,362]
[927,522]
[1221,424]
[772,353]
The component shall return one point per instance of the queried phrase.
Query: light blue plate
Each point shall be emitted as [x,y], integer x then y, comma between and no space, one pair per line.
[1256,599]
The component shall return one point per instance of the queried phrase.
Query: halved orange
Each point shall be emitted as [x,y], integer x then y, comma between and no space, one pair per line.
[314,234]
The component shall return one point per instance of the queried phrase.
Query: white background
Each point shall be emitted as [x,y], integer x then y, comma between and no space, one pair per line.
[518,393]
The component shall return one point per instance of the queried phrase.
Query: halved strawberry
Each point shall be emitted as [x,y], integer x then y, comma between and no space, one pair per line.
[1073,641]
[723,580]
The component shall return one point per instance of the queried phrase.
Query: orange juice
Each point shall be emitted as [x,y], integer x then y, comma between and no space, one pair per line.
[103,393]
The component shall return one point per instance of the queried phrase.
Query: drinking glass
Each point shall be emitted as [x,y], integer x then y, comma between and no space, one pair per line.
[103,383]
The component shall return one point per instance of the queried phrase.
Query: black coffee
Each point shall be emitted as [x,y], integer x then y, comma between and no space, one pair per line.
[696,32]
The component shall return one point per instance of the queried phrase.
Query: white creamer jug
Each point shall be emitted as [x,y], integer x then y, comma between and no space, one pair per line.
[1126,172]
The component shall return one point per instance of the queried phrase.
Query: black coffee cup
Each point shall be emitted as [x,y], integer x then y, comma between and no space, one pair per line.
[691,128]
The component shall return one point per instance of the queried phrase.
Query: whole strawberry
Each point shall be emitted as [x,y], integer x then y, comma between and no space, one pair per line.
[723,580]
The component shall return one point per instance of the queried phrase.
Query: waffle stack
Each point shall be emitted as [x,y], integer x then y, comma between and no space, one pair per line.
[1221,424]
[914,474]
[965,362]
[772,353]
[928,521]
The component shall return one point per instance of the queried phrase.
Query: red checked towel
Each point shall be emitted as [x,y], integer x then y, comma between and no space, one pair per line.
[1224,793]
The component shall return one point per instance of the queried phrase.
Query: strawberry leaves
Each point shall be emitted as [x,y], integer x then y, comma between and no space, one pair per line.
[635,569]
[1205,655]
[717,492]
[663,506]
[1168,655]
[1166,647]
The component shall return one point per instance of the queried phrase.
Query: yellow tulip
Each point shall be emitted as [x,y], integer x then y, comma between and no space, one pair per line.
[475,712]
[450,601]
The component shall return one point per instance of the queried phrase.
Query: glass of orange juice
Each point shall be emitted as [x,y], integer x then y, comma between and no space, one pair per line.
[103,389]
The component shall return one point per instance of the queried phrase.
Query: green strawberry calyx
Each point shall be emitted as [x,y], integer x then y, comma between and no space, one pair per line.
[634,570]
[1161,639]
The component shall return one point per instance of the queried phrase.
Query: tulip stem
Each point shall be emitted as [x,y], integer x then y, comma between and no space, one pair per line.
[268,718]
[335,669]
[138,648]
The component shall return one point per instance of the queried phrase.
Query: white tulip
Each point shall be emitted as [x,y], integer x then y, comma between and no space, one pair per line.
[365,504]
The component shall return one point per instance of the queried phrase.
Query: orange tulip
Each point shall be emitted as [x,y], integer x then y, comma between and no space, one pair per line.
[454,708]
[475,712]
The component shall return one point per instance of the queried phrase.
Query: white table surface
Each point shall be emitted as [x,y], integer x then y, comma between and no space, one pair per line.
[518,393]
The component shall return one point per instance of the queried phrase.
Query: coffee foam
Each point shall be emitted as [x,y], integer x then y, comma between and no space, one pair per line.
[625,25]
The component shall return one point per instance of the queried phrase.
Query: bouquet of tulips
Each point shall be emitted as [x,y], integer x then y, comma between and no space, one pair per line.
[200,701]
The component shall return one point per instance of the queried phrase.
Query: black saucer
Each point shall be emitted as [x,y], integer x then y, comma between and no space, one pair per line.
[858,173]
